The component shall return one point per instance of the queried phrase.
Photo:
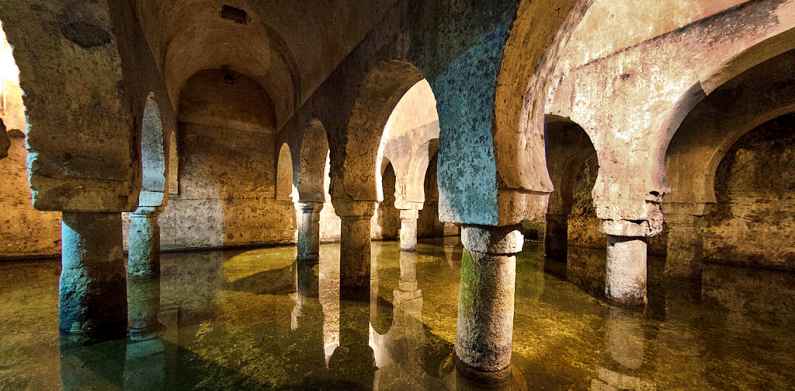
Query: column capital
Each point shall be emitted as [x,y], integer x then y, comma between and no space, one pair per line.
[354,209]
[309,206]
[408,205]
[146,212]
[406,214]
[505,240]
[631,228]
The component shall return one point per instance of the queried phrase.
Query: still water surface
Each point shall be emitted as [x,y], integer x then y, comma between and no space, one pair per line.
[254,320]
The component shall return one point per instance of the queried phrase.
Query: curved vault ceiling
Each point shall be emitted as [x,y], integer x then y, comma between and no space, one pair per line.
[289,47]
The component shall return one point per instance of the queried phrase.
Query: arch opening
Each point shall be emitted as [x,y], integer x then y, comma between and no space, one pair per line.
[154,181]
[573,166]
[26,231]
[751,223]
[285,188]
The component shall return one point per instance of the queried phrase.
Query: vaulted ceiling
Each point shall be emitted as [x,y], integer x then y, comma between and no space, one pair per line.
[289,47]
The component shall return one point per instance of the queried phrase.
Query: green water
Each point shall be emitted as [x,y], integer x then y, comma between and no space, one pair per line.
[253,320]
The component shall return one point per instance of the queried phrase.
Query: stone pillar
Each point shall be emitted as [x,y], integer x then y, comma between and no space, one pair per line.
[685,241]
[557,236]
[408,229]
[93,283]
[309,231]
[625,280]
[144,243]
[355,247]
[486,302]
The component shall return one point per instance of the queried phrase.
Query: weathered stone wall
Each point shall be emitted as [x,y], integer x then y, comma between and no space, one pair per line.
[753,222]
[584,227]
[227,168]
[24,231]
[428,224]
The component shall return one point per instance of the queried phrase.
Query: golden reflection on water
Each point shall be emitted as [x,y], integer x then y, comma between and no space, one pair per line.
[255,319]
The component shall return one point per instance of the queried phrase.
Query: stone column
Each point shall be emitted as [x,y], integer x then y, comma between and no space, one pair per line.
[309,231]
[93,283]
[486,302]
[144,243]
[685,241]
[408,229]
[626,276]
[355,247]
[625,280]
[556,236]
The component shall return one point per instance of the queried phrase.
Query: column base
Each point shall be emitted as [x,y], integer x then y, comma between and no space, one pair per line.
[499,376]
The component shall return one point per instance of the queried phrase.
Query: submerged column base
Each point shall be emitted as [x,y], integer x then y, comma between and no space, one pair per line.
[484,339]
[93,282]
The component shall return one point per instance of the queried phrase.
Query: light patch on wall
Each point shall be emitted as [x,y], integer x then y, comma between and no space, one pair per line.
[12,110]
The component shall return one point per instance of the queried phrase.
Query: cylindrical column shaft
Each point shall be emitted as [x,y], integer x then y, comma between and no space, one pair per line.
[355,248]
[144,244]
[408,229]
[556,237]
[355,254]
[309,231]
[93,289]
[625,282]
[486,302]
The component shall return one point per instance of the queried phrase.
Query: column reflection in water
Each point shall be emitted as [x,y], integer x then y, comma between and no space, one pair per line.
[353,361]
[401,349]
[306,320]
[147,355]
[625,349]
[143,307]
[97,366]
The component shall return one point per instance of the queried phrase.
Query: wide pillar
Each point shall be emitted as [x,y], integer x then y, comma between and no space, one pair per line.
[355,247]
[309,231]
[486,302]
[625,280]
[144,243]
[93,283]
[685,241]
[556,236]
[408,229]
